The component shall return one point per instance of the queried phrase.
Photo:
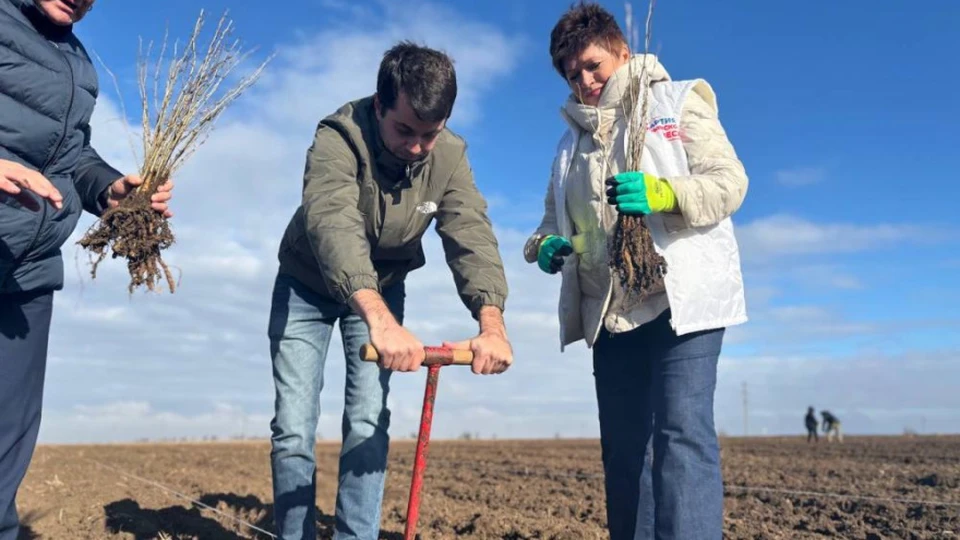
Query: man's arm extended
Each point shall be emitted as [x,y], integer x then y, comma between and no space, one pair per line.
[337,234]
[471,248]
[491,321]
[399,350]
[473,256]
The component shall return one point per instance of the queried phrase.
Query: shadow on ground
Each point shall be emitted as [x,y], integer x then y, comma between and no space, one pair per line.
[26,531]
[128,517]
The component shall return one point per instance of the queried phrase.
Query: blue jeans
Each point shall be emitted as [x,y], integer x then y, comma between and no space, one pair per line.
[655,389]
[24,333]
[301,323]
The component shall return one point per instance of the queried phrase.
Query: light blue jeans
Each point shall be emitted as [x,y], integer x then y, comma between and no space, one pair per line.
[300,327]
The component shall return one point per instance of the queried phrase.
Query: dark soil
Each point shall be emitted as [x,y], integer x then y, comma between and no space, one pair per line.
[498,489]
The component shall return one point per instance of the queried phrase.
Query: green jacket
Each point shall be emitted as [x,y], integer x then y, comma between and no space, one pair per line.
[364,212]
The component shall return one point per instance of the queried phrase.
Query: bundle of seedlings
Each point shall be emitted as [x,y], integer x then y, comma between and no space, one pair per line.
[632,252]
[180,104]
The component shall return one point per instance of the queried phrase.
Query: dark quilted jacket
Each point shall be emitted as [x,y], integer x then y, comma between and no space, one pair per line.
[48,88]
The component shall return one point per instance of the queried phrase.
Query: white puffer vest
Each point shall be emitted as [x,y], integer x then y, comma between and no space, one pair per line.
[704,284]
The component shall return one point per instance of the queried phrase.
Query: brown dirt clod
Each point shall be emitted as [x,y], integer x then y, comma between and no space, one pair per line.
[137,233]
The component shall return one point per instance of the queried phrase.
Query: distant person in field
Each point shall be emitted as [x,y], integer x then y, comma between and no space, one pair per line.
[831,426]
[655,351]
[381,170]
[49,175]
[811,422]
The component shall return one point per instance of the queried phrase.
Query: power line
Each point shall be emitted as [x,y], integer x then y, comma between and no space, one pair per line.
[746,415]
[182,496]
[841,496]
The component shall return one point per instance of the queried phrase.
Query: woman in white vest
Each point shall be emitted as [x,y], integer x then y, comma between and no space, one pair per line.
[655,351]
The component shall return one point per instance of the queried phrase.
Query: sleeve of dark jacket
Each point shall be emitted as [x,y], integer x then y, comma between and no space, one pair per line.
[471,248]
[334,224]
[93,177]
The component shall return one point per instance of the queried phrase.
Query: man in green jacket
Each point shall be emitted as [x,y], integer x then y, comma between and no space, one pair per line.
[380,170]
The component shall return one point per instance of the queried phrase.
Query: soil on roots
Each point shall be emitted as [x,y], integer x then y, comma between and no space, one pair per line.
[137,233]
[635,258]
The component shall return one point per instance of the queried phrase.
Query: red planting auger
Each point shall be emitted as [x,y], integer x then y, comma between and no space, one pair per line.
[436,357]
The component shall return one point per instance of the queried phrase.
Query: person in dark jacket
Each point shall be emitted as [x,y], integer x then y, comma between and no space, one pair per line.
[831,426]
[811,423]
[49,173]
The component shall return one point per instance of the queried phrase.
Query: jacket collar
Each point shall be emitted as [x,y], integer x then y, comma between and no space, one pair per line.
[398,170]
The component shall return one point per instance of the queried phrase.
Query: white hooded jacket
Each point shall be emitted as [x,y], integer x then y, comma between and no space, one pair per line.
[685,145]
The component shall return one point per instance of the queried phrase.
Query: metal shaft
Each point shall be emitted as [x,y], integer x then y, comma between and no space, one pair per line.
[420,459]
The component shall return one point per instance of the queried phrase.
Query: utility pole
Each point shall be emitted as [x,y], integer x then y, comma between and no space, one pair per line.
[746,430]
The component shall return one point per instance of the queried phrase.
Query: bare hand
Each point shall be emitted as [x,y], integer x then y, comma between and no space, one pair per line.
[492,353]
[123,187]
[14,178]
[399,349]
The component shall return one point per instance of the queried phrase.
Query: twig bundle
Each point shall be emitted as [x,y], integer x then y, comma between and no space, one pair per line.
[633,254]
[176,119]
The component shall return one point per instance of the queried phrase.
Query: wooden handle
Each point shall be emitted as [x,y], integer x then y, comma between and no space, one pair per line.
[434,355]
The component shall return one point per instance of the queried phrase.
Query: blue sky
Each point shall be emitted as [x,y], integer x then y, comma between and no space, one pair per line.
[841,112]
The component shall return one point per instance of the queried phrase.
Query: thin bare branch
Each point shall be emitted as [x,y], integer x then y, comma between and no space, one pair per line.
[633,253]
[189,93]
[123,107]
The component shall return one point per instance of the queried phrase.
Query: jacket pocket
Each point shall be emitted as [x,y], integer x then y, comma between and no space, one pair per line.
[19,228]
[59,224]
[674,223]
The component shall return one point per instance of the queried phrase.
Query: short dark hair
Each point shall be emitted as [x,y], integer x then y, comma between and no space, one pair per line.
[425,75]
[584,24]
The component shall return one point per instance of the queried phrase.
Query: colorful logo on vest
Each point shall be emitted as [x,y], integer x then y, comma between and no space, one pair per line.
[666,126]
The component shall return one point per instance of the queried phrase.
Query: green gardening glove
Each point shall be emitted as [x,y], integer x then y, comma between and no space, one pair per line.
[635,193]
[551,253]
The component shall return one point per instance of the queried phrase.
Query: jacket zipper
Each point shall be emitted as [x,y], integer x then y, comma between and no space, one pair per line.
[56,149]
[605,225]
[66,116]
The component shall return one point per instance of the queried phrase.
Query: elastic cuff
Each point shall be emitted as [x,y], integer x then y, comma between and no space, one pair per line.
[531,249]
[689,205]
[105,176]
[487,299]
[349,286]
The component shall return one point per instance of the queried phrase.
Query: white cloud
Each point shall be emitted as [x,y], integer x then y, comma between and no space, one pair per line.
[916,387]
[196,363]
[169,364]
[807,273]
[800,314]
[801,177]
[830,276]
[320,80]
[781,235]
[120,421]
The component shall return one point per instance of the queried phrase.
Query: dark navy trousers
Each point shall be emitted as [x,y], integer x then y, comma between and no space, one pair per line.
[24,332]
[655,395]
